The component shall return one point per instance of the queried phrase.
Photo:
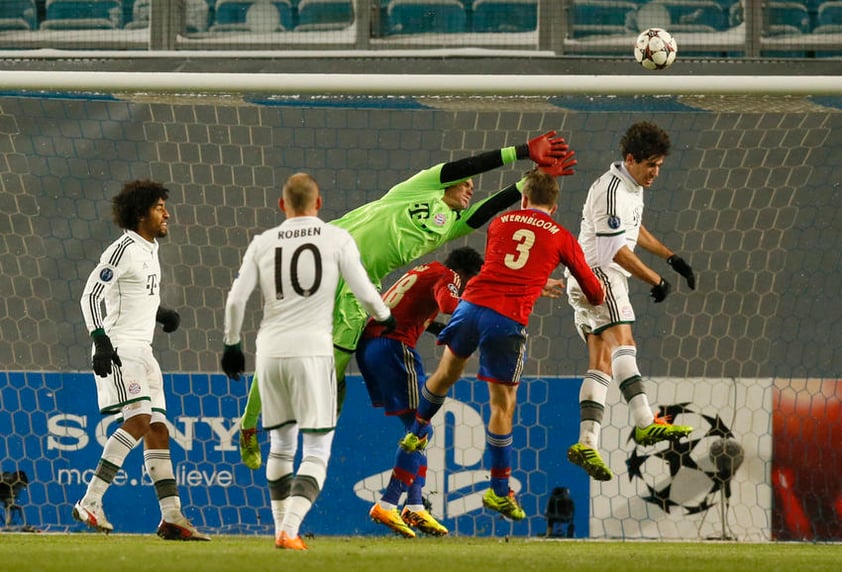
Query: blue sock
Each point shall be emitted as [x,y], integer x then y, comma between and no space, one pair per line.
[403,475]
[428,405]
[393,491]
[414,494]
[500,451]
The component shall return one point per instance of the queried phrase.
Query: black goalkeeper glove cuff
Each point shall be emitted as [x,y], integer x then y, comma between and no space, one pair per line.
[168,318]
[680,265]
[435,328]
[660,292]
[104,354]
[233,361]
[389,325]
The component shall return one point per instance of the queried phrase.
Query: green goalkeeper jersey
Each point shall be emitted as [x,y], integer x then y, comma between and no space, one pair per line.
[409,221]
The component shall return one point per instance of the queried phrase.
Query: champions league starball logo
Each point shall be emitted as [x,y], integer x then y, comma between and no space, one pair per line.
[691,474]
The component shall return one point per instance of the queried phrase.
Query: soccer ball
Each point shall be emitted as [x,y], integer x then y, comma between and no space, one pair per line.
[655,49]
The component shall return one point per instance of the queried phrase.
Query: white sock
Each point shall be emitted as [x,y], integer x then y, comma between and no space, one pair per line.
[296,511]
[279,511]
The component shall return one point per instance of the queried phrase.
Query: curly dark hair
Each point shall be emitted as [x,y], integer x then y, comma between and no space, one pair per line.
[464,260]
[644,140]
[134,201]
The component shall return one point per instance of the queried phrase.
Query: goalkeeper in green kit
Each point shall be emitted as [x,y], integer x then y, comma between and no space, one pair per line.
[412,219]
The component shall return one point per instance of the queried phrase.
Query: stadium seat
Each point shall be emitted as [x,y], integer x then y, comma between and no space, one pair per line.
[784,18]
[602,17]
[695,15]
[829,13]
[196,15]
[83,15]
[324,15]
[505,15]
[252,16]
[425,16]
[18,15]
[139,15]
[829,22]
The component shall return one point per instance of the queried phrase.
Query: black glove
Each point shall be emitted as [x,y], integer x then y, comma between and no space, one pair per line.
[104,354]
[435,328]
[389,325]
[168,318]
[680,265]
[233,361]
[661,291]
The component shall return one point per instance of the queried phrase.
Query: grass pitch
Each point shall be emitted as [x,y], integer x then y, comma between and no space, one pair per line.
[129,553]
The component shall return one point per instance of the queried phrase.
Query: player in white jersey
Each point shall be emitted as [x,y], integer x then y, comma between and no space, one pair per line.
[611,228]
[298,266]
[128,281]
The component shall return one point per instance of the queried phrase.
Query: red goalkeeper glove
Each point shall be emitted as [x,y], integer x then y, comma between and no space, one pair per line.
[561,167]
[546,148]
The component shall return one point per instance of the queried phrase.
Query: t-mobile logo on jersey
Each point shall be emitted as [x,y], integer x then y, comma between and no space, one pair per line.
[152,284]
[465,449]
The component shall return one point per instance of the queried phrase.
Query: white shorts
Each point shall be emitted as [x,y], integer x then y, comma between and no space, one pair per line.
[298,390]
[138,379]
[617,308]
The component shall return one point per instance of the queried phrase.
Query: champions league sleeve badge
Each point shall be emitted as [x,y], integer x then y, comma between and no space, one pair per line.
[106,274]
[614,222]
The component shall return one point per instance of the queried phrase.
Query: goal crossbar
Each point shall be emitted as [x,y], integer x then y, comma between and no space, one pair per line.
[418,84]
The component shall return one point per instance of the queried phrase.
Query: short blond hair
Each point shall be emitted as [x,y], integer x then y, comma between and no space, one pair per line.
[300,192]
[540,188]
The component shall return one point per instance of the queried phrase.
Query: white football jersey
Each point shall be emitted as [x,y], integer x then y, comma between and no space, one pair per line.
[298,265]
[128,281]
[611,217]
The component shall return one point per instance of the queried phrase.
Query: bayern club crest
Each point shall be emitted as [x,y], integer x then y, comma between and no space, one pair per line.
[689,474]
[439,219]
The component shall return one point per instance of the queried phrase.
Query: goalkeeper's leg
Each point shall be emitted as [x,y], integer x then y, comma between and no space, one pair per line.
[342,358]
[349,319]
[252,411]
[249,445]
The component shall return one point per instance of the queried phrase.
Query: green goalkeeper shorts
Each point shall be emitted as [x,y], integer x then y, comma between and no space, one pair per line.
[349,319]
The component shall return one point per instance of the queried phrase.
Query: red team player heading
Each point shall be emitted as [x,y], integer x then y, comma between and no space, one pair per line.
[523,249]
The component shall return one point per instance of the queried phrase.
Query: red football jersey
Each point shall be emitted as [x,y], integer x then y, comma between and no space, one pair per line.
[522,249]
[416,299]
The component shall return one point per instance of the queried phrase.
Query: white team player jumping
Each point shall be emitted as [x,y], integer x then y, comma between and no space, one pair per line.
[611,228]
[298,266]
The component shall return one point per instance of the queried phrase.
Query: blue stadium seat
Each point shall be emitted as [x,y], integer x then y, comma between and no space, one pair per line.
[18,15]
[252,16]
[829,14]
[602,17]
[695,15]
[196,15]
[829,22]
[785,18]
[505,15]
[425,16]
[83,15]
[324,15]
[139,15]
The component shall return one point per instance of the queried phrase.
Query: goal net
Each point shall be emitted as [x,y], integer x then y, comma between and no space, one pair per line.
[748,196]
